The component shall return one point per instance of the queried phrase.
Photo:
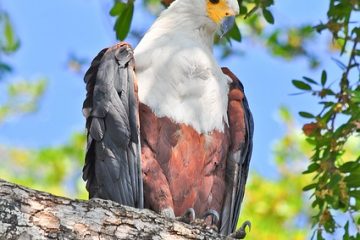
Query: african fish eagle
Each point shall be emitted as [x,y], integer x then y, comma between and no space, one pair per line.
[168,128]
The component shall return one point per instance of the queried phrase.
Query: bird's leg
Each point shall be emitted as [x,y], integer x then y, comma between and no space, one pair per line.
[241,232]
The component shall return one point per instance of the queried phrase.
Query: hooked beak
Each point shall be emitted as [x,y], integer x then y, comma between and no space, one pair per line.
[226,24]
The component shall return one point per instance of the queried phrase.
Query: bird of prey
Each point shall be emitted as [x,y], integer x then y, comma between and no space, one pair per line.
[168,128]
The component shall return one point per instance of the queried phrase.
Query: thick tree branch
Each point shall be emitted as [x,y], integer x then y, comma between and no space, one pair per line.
[31,214]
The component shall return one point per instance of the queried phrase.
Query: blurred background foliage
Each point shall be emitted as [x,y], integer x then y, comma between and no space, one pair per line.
[278,208]
[21,96]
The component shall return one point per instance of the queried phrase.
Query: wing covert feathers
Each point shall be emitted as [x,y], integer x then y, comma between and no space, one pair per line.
[241,133]
[112,162]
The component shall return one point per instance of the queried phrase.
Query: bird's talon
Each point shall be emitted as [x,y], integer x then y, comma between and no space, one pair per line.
[241,232]
[215,217]
[188,216]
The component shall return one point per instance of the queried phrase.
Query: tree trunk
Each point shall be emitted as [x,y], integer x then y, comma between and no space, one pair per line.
[30,214]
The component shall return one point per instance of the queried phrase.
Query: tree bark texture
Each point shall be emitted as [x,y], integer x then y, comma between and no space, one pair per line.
[30,214]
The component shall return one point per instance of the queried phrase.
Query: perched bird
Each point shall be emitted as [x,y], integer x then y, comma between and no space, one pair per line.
[168,128]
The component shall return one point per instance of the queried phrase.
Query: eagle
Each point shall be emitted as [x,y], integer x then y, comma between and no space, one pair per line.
[168,129]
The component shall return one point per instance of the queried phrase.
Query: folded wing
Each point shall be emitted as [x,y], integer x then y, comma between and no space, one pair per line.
[112,163]
[237,166]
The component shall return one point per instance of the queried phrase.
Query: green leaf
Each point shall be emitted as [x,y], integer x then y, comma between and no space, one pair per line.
[319,235]
[339,63]
[355,194]
[123,23]
[353,180]
[243,10]
[117,9]
[319,28]
[4,68]
[306,115]
[323,77]
[327,91]
[327,104]
[11,44]
[346,232]
[310,80]
[268,16]
[234,33]
[312,168]
[301,85]
[309,187]
[349,166]
[334,180]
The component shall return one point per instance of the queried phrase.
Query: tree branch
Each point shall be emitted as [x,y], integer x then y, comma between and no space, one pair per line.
[31,214]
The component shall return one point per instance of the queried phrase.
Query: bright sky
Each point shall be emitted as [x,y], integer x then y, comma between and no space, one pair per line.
[50,30]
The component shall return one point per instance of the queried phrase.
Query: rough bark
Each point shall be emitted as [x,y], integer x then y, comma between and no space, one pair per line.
[30,214]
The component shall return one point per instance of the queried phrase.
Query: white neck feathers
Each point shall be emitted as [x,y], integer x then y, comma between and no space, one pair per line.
[177,73]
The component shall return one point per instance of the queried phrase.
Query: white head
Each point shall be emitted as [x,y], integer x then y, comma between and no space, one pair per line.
[214,12]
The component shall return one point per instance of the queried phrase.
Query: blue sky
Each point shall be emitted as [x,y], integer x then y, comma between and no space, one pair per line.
[50,30]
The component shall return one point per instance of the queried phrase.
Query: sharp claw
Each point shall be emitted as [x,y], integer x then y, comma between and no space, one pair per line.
[188,216]
[215,217]
[241,232]
[190,213]
[246,224]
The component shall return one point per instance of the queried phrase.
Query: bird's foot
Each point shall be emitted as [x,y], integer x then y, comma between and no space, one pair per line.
[209,220]
[214,219]
[241,232]
[188,217]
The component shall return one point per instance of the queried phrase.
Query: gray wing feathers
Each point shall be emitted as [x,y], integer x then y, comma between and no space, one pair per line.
[112,163]
[237,173]
[243,167]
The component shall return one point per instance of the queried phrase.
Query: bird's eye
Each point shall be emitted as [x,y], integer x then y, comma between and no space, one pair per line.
[214,1]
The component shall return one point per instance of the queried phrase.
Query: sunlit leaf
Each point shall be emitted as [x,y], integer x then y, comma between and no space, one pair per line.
[117,9]
[10,43]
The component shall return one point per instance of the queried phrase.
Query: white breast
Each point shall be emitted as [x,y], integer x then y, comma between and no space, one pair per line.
[179,78]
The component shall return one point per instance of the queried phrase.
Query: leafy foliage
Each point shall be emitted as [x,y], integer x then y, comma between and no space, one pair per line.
[278,209]
[22,97]
[51,169]
[9,43]
[123,13]
[336,184]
